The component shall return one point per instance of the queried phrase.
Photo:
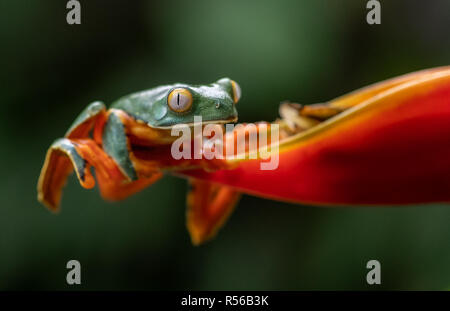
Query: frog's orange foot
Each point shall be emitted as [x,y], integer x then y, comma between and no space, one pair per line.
[62,158]
[66,155]
[208,207]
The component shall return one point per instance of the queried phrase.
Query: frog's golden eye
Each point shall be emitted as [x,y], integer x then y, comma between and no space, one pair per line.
[236,91]
[180,100]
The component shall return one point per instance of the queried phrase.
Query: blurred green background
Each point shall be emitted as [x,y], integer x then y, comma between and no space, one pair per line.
[305,51]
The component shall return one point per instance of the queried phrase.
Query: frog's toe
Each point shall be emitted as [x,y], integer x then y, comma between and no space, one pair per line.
[62,157]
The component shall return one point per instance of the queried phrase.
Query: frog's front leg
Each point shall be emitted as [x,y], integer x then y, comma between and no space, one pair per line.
[77,151]
[113,183]
[115,143]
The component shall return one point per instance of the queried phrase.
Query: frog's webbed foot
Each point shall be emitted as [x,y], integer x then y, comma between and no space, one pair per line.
[302,117]
[66,155]
[62,157]
[208,207]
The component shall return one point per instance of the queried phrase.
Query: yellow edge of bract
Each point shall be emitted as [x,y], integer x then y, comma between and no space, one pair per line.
[426,78]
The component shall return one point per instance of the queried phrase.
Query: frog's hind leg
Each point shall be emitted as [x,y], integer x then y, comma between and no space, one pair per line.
[92,116]
[78,151]
[208,207]
[62,158]
[303,117]
[66,155]
[113,183]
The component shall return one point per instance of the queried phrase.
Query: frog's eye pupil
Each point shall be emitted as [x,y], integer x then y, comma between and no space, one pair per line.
[179,100]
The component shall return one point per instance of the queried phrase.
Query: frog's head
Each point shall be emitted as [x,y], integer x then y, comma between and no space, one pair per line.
[215,103]
[166,106]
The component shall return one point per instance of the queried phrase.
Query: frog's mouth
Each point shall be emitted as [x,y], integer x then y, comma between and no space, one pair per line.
[202,123]
[219,121]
